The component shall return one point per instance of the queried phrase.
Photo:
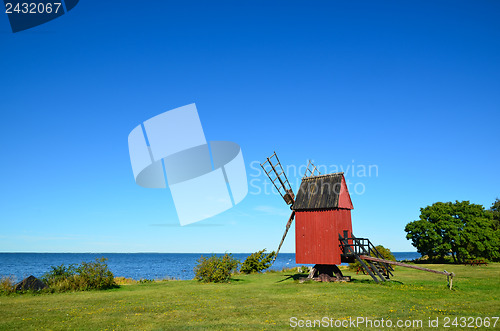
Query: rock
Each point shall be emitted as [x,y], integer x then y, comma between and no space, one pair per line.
[30,283]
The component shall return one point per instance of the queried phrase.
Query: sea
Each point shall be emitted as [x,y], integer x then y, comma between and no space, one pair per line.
[137,266]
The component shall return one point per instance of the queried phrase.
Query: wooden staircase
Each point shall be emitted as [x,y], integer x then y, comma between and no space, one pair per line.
[361,249]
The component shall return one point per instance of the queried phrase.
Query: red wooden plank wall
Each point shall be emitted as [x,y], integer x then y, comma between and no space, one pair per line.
[317,233]
[344,197]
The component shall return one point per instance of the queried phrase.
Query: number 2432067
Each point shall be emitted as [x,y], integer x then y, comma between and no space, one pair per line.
[32,8]
[470,322]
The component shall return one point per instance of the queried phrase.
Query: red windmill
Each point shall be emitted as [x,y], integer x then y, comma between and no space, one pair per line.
[323,230]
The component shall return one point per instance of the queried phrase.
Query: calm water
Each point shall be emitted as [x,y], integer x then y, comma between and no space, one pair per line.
[133,265]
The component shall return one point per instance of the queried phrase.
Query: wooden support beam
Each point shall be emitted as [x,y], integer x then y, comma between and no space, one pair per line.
[449,275]
[370,258]
[290,220]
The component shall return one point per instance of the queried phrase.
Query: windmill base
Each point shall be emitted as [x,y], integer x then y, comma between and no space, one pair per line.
[326,273]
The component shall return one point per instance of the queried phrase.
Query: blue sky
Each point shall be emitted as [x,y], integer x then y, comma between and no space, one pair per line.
[410,88]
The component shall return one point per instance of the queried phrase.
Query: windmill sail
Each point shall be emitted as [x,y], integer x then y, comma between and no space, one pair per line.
[273,169]
[311,170]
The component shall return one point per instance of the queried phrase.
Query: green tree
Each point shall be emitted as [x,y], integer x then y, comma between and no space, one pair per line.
[461,229]
[495,213]
[257,262]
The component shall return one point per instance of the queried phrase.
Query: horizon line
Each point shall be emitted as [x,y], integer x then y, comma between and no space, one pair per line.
[18,252]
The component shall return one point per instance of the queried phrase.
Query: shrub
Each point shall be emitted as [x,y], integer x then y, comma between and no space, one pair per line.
[87,276]
[145,281]
[216,269]
[58,273]
[7,285]
[95,275]
[257,262]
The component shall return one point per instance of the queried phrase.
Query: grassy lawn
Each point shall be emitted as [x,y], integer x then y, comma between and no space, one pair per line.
[265,301]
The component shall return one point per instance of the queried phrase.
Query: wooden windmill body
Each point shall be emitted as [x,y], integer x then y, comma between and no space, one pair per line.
[322,213]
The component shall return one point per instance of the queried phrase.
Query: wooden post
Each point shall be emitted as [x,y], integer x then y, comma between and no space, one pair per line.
[449,277]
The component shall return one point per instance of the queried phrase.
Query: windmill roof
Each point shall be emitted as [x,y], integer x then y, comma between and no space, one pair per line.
[323,192]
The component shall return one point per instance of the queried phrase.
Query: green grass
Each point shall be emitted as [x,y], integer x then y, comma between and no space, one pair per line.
[262,301]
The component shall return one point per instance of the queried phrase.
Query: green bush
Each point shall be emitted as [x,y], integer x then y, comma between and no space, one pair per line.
[257,262]
[216,269]
[87,276]
[7,285]
[59,273]
[95,275]
[145,281]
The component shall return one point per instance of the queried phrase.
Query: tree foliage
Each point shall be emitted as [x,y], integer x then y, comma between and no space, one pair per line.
[495,214]
[462,229]
[216,269]
[257,262]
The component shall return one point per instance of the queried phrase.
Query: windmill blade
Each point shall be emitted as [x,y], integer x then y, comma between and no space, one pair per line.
[273,169]
[290,220]
[309,172]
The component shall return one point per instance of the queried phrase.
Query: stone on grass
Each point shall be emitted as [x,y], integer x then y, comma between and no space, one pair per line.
[31,283]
